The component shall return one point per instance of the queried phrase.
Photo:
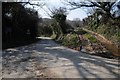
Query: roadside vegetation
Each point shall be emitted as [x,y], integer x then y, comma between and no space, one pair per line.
[19,24]
[23,24]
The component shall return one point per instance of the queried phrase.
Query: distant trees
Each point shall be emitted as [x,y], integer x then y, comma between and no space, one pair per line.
[59,16]
[44,28]
[59,24]
[77,22]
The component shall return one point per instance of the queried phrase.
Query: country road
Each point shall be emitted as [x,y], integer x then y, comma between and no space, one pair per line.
[46,58]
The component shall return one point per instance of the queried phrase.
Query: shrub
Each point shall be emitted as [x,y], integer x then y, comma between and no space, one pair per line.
[90,37]
[71,40]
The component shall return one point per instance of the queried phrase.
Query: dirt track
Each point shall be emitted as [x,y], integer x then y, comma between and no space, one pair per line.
[48,59]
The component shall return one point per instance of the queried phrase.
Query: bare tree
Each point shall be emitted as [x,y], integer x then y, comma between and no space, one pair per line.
[103,7]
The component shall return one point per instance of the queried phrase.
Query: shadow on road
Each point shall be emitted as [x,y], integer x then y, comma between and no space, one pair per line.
[66,60]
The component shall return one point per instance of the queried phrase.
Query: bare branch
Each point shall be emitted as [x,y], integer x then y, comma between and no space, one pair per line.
[39,4]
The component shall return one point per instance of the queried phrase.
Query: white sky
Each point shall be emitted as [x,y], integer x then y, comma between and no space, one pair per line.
[77,13]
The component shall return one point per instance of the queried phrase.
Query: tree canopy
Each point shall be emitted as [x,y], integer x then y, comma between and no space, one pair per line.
[18,21]
[103,7]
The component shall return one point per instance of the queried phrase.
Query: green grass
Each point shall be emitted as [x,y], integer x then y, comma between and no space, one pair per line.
[90,37]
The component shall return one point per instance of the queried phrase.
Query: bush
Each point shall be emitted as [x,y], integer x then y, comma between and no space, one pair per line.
[110,29]
[71,40]
[90,37]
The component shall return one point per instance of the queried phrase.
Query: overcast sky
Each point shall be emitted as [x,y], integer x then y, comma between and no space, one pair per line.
[77,13]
